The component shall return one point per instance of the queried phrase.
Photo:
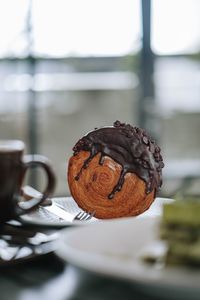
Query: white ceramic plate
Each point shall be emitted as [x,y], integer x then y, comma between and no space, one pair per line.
[44,218]
[114,248]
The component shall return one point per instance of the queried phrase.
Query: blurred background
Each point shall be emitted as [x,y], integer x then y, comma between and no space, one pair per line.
[68,66]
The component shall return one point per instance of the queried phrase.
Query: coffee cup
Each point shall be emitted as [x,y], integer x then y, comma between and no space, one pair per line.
[13,166]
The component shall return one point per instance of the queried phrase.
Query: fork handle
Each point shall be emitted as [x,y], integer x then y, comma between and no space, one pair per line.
[29,193]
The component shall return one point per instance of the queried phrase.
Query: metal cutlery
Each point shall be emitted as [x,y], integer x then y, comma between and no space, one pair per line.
[55,208]
[29,192]
[59,212]
[84,216]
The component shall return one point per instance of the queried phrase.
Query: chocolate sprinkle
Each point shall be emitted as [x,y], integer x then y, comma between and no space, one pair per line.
[129,146]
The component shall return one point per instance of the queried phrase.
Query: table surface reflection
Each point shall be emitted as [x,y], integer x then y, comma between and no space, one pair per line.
[49,278]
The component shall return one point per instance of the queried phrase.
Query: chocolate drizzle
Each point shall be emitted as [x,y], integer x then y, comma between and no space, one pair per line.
[129,146]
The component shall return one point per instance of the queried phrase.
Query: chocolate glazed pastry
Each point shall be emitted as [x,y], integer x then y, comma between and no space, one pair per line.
[115,171]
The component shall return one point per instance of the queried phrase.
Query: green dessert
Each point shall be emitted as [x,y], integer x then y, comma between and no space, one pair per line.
[180,228]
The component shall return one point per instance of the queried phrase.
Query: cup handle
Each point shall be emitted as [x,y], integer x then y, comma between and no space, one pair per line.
[43,162]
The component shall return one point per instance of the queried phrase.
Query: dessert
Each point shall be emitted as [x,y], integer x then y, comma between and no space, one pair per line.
[115,171]
[180,228]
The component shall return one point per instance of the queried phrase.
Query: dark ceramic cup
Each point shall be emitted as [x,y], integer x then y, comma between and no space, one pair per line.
[13,166]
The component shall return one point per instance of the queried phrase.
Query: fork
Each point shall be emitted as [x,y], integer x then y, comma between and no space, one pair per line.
[84,216]
[28,192]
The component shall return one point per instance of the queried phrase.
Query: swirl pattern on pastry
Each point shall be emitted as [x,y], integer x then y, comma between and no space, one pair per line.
[115,171]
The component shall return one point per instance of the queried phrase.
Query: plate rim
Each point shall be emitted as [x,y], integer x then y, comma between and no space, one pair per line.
[78,258]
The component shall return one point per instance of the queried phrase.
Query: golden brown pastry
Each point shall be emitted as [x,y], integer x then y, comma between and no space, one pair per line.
[115,171]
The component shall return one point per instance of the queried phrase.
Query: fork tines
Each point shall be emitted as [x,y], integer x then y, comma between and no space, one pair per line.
[84,216]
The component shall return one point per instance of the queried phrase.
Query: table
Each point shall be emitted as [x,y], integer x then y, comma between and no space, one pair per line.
[49,278]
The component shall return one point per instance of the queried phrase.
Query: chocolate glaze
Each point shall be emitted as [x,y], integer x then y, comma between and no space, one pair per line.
[129,146]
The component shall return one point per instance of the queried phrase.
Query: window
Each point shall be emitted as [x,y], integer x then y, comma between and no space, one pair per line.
[175,26]
[63,28]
